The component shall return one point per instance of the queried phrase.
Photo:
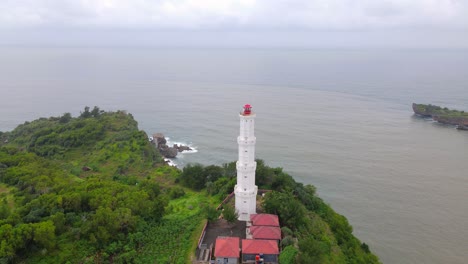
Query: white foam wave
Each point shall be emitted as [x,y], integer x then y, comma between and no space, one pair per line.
[190,145]
[170,162]
[180,155]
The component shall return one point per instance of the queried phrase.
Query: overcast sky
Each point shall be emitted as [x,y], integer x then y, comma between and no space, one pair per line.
[304,23]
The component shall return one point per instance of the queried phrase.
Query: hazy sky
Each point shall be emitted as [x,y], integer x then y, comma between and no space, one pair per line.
[316,23]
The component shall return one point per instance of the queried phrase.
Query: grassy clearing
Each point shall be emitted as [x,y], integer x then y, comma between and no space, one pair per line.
[165,175]
[174,240]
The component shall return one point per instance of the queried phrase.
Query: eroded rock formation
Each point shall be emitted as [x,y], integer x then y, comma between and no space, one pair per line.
[168,152]
[442,115]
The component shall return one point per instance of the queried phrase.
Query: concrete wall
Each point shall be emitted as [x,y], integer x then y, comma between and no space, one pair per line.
[266,258]
[229,260]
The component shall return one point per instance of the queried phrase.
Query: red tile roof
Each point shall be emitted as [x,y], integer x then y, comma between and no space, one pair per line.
[264,219]
[265,232]
[227,247]
[253,246]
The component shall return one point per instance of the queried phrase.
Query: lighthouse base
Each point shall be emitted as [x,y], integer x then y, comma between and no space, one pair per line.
[246,202]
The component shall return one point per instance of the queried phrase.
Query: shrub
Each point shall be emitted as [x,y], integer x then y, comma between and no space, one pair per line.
[288,255]
[230,214]
[176,192]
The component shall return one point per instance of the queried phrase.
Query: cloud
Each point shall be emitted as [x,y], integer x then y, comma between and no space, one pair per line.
[235,14]
[235,23]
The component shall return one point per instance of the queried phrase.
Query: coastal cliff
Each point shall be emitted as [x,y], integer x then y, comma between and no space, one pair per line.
[93,189]
[442,115]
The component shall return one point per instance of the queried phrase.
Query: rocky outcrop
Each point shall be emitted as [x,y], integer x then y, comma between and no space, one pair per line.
[451,120]
[160,142]
[168,152]
[181,148]
[442,115]
[422,111]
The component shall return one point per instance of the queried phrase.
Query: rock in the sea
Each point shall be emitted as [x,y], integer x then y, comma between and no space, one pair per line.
[169,152]
[442,115]
[159,139]
[183,148]
[422,111]
[449,120]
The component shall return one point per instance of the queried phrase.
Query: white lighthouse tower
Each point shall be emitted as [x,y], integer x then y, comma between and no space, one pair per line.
[246,190]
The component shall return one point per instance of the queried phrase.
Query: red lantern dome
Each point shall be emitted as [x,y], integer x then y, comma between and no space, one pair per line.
[247,109]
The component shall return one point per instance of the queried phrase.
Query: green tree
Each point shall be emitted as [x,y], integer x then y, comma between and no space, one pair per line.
[230,170]
[7,242]
[65,118]
[287,241]
[4,209]
[193,176]
[230,214]
[290,211]
[96,112]
[211,213]
[263,174]
[365,247]
[44,234]
[212,173]
[312,251]
[288,255]
[176,192]
[59,221]
[86,113]
[103,226]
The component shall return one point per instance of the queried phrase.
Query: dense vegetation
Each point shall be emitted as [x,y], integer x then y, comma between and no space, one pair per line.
[312,231]
[442,115]
[92,189]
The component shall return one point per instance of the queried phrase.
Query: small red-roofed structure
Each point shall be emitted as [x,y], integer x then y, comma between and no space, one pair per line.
[265,232]
[227,250]
[253,247]
[264,220]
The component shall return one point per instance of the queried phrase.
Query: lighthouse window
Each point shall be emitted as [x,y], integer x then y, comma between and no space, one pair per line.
[245,189]
[246,151]
[245,201]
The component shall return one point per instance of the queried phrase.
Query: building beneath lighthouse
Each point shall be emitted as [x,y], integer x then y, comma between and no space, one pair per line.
[245,190]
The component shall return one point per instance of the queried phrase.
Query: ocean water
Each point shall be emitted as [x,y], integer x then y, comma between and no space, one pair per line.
[338,119]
